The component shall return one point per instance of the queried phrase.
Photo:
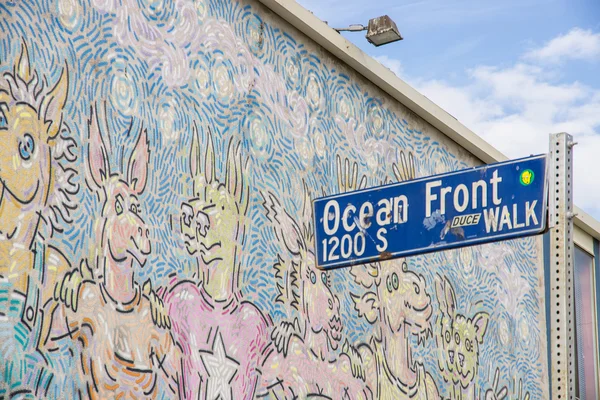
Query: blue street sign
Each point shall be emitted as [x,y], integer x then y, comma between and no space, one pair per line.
[473,206]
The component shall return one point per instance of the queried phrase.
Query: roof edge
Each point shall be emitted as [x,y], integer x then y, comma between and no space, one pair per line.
[386,80]
[587,223]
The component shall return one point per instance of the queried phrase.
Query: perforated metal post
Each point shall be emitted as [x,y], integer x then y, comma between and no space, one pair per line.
[562,319]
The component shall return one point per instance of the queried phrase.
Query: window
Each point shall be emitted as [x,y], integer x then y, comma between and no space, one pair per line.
[585,320]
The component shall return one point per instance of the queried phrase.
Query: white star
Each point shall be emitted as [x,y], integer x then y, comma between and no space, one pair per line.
[220,369]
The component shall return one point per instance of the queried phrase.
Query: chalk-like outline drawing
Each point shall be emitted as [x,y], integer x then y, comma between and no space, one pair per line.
[210,318]
[122,350]
[306,361]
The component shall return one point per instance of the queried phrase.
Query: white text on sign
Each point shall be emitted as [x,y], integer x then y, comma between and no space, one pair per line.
[354,221]
[350,227]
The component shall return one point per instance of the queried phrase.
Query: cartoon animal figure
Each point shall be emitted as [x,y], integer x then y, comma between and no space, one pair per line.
[458,339]
[223,336]
[399,307]
[304,287]
[36,197]
[34,187]
[123,353]
[443,337]
[307,362]
[212,221]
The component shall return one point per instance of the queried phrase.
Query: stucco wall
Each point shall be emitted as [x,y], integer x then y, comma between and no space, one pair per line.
[157,165]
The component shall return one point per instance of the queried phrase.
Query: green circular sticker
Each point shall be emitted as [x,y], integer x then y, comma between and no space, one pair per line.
[527,177]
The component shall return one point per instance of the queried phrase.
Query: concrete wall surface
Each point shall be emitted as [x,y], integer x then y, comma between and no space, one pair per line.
[157,163]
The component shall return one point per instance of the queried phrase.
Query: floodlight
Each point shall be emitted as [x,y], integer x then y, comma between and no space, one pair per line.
[381,30]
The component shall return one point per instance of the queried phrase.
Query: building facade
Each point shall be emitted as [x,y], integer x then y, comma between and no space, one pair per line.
[158,164]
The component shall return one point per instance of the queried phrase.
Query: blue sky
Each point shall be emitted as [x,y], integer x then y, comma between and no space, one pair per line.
[512,71]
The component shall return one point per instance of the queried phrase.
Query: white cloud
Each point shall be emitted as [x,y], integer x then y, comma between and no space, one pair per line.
[577,44]
[460,102]
[526,84]
[391,63]
[517,107]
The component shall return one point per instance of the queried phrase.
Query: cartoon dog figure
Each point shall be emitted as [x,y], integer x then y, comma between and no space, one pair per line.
[458,339]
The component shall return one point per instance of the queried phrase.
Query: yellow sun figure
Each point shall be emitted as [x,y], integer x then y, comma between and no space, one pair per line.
[527,177]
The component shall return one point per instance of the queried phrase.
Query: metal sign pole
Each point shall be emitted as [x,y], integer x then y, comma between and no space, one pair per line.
[562,319]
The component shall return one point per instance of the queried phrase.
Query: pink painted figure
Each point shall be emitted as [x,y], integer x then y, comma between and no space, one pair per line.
[305,362]
[223,337]
[123,352]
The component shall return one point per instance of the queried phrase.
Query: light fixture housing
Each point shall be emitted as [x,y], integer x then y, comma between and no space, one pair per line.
[382,30]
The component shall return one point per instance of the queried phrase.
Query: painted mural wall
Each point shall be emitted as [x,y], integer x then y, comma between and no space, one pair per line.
[157,163]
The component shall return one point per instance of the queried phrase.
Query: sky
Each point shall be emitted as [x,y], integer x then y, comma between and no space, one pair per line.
[512,71]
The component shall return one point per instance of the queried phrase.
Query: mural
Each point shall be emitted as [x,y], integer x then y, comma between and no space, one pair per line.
[458,341]
[399,307]
[223,336]
[312,346]
[157,168]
